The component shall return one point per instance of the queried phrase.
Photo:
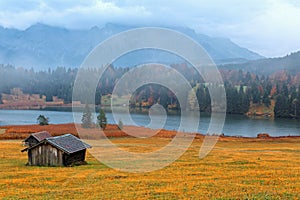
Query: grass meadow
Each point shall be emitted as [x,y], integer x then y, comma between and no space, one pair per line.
[237,168]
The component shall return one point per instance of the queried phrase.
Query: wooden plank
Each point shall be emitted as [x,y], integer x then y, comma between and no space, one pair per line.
[48,155]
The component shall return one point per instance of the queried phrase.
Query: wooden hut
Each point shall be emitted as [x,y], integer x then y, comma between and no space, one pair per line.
[62,150]
[36,138]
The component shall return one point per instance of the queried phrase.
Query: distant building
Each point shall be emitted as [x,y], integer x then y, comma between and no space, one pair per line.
[19,100]
[62,150]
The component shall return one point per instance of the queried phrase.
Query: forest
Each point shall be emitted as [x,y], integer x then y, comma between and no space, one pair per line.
[243,89]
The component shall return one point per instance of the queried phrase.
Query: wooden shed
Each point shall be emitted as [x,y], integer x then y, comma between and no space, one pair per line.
[62,150]
[36,138]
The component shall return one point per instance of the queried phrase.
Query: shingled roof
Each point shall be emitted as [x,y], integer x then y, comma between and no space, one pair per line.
[67,143]
[40,135]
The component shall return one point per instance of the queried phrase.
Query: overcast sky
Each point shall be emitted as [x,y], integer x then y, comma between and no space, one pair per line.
[269,27]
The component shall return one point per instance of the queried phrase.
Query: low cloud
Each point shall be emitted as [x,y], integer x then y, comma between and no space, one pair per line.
[268,27]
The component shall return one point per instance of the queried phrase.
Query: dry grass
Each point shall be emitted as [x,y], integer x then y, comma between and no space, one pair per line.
[23,131]
[2,131]
[237,168]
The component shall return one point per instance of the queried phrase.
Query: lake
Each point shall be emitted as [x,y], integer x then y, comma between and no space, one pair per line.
[235,125]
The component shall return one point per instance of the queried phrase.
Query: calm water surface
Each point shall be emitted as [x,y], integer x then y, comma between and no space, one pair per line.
[235,125]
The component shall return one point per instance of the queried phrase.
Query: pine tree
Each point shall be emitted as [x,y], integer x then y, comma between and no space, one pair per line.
[42,120]
[281,109]
[298,103]
[86,117]
[266,100]
[295,103]
[120,124]
[246,101]
[201,98]
[101,119]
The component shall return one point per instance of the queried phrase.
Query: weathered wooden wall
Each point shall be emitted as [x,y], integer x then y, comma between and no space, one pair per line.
[45,155]
[74,157]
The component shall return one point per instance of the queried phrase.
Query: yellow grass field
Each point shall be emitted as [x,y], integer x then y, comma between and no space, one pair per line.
[237,168]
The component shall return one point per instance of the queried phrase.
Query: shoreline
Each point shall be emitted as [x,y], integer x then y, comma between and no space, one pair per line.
[144,110]
[112,130]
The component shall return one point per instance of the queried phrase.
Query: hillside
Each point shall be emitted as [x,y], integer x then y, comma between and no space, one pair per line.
[267,66]
[41,46]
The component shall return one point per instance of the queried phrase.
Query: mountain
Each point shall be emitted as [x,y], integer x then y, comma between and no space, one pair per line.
[41,46]
[267,66]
